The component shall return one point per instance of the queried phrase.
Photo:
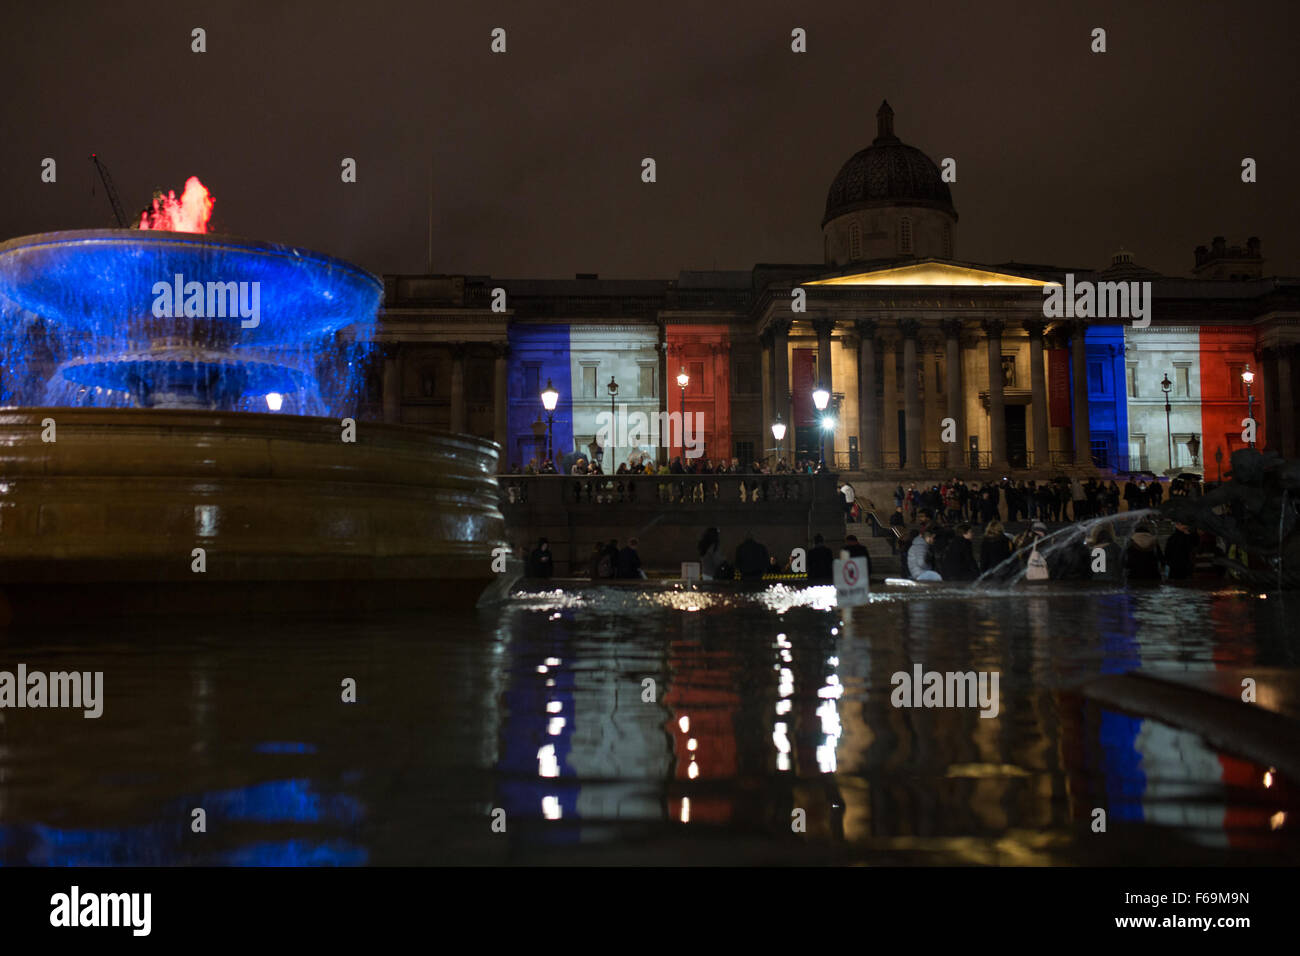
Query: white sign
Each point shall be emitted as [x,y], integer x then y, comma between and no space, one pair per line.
[852,586]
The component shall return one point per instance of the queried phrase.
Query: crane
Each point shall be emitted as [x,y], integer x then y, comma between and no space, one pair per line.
[111,190]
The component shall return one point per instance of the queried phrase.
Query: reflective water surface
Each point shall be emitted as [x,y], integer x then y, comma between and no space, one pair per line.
[766,708]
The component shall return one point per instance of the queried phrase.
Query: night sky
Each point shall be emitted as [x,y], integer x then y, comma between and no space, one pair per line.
[1062,155]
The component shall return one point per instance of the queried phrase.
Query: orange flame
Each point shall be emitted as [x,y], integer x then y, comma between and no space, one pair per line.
[190,213]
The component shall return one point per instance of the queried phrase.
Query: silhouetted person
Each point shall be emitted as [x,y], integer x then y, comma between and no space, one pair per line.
[1180,552]
[629,562]
[541,561]
[855,548]
[995,548]
[751,558]
[958,558]
[1142,558]
[820,561]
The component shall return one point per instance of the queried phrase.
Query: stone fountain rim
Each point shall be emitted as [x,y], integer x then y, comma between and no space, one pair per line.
[158,237]
[259,424]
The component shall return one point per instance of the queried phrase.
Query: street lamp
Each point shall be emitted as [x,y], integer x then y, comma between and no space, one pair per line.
[1169,439]
[778,432]
[821,398]
[1194,447]
[609,452]
[682,381]
[1248,377]
[549,397]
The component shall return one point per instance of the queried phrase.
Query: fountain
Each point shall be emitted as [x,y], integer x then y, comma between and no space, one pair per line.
[1057,546]
[179,433]
[1254,513]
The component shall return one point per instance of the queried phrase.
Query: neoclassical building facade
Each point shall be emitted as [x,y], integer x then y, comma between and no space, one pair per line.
[932,363]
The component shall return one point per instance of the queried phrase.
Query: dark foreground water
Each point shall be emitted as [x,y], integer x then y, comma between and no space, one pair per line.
[764,705]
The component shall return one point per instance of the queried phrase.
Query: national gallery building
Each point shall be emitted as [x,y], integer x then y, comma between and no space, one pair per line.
[932,363]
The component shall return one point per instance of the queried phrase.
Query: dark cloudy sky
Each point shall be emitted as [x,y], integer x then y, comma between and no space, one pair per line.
[1063,155]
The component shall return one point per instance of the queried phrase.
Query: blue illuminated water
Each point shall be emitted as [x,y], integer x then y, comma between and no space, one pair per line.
[79,323]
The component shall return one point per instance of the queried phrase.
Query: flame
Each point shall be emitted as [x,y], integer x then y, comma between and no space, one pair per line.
[190,213]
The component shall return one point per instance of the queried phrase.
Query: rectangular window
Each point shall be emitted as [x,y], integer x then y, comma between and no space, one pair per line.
[589,381]
[1236,386]
[1182,383]
[1132,381]
[646,381]
[1101,453]
[532,381]
[697,379]
[746,376]
[1096,379]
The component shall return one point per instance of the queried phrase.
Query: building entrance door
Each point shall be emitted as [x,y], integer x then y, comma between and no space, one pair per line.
[1017,452]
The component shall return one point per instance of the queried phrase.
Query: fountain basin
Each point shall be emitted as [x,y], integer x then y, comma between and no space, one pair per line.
[105,518]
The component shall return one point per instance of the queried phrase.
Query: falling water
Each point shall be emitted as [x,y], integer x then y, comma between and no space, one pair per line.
[82,325]
[1012,570]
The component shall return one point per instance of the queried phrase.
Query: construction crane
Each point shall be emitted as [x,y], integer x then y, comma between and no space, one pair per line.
[111,190]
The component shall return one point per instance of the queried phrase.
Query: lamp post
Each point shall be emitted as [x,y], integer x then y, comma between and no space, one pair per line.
[778,432]
[1169,437]
[549,397]
[1248,377]
[682,381]
[1194,448]
[609,452]
[821,398]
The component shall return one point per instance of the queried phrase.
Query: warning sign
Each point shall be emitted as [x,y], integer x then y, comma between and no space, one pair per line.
[852,586]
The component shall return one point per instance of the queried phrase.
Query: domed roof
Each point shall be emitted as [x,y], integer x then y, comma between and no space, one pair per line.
[887,171]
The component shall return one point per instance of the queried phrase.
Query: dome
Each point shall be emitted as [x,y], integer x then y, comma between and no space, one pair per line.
[887,172]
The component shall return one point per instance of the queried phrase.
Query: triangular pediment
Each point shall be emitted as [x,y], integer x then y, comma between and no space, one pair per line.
[931,274]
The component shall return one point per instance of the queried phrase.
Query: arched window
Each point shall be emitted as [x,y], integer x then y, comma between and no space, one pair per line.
[905,236]
[855,242]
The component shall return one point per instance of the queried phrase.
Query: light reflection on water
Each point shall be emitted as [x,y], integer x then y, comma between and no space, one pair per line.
[763,703]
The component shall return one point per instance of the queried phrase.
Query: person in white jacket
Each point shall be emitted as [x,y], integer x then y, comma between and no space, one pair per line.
[918,558]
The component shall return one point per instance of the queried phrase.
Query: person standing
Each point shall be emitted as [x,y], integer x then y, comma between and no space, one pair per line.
[959,558]
[629,562]
[995,548]
[820,562]
[541,562]
[1180,552]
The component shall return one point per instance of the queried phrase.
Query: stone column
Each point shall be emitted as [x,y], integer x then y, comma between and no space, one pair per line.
[1285,404]
[889,410]
[500,400]
[781,398]
[458,387]
[997,404]
[1082,426]
[769,415]
[825,378]
[913,412]
[392,384]
[1038,386]
[868,404]
[956,397]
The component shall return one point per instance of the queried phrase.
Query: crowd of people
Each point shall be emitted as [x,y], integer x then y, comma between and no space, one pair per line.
[1056,500]
[679,465]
